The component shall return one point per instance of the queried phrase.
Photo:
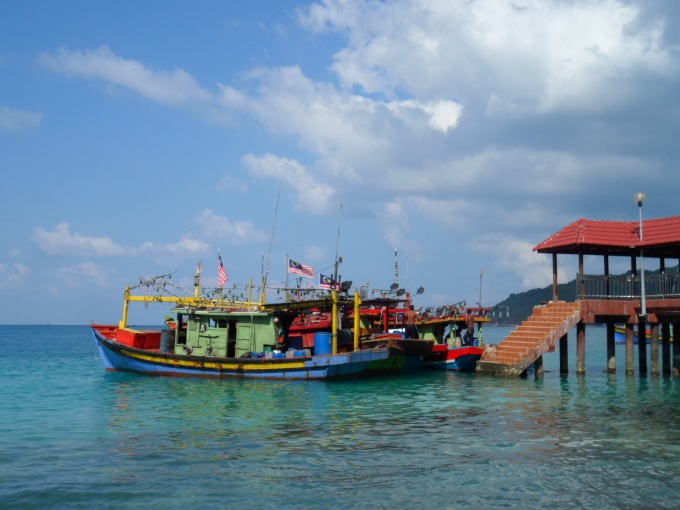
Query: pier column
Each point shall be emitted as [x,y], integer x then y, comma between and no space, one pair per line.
[676,348]
[538,367]
[630,349]
[611,349]
[666,367]
[654,349]
[642,345]
[580,348]
[564,355]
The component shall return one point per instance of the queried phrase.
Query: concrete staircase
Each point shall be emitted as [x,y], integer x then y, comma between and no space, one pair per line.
[538,334]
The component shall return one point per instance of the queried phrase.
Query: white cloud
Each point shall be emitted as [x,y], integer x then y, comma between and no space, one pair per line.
[12,275]
[176,87]
[518,57]
[223,230]
[14,120]
[61,241]
[187,245]
[87,272]
[312,195]
[517,256]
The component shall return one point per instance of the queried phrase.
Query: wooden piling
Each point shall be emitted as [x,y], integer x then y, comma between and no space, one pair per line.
[564,354]
[611,348]
[654,348]
[642,346]
[580,348]
[630,350]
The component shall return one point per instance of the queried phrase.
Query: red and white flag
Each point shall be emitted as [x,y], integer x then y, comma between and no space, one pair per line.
[220,270]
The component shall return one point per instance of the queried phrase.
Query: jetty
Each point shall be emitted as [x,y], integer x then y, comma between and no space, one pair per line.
[648,302]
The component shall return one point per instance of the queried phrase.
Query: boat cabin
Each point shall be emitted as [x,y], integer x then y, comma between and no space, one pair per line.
[229,333]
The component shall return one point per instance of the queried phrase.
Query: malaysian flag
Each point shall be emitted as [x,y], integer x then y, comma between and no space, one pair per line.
[220,270]
[326,282]
[301,269]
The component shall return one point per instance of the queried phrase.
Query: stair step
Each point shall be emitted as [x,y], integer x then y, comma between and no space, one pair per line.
[539,330]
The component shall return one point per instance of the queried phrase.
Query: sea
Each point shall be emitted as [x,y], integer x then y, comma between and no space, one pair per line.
[73,436]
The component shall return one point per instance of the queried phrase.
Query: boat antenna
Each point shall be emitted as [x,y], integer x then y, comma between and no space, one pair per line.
[271,242]
[337,244]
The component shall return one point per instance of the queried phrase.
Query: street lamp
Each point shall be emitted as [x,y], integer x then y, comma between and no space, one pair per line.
[639,199]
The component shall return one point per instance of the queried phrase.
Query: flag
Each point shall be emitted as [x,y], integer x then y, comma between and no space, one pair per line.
[301,269]
[326,282]
[199,268]
[220,270]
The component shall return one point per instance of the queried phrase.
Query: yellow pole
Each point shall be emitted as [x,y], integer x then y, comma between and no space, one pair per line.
[357,321]
[123,321]
[263,293]
[334,326]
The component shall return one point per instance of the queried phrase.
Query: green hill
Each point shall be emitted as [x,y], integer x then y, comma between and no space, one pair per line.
[518,307]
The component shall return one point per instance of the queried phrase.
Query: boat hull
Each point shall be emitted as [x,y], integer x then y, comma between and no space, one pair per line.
[406,354]
[620,335]
[119,357]
[460,359]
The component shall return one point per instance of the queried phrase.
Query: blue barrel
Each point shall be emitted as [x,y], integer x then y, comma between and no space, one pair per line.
[323,343]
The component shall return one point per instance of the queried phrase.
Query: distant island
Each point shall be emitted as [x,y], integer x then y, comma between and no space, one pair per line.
[518,307]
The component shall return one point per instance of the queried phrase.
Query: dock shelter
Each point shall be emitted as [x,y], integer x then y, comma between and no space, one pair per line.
[648,301]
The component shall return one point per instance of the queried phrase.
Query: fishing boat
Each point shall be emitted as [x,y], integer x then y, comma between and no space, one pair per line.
[377,322]
[459,359]
[453,350]
[620,335]
[214,338]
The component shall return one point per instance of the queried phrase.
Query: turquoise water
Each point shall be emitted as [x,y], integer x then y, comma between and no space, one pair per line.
[74,436]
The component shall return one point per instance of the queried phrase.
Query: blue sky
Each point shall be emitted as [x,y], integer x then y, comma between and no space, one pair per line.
[137,141]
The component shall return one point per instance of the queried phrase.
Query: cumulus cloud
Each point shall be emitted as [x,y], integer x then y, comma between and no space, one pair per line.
[61,241]
[485,116]
[12,275]
[314,196]
[87,272]
[14,120]
[512,57]
[223,230]
[187,245]
[515,255]
[175,87]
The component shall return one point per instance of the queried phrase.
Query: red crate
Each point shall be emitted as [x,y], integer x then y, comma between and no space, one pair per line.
[131,338]
[152,339]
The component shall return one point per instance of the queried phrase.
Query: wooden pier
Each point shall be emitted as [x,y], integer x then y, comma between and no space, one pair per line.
[646,302]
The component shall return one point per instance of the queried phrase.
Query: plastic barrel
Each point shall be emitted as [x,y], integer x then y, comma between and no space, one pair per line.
[323,343]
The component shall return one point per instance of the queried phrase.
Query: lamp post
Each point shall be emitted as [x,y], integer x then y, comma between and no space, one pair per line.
[639,199]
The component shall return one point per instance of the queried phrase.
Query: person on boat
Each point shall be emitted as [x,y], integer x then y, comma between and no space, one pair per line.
[410,318]
[469,337]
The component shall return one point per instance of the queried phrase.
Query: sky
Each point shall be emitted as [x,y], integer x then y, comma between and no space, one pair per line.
[431,143]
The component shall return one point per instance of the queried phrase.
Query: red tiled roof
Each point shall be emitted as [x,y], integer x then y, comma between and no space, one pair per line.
[661,237]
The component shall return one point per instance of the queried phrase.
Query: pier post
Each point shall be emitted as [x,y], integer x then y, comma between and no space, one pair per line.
[654,349]
[538,367]
[580,348]
[666,367]
[642,345]
[564,354]
[676,348]
[611,349]
[630,349]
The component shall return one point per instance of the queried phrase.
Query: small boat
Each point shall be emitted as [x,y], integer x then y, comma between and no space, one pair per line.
[375,321]
[460,359]
[445,327]
[219,339]
[620,335]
